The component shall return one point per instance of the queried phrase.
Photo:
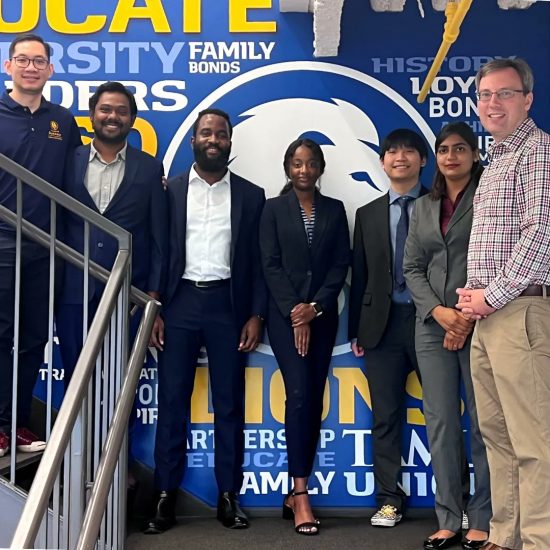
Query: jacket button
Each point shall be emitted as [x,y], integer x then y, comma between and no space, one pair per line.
[100,245]
[308,273]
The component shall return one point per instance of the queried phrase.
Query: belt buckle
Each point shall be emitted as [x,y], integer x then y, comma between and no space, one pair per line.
[201,284]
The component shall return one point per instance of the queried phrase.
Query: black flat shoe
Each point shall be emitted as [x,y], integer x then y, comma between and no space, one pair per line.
[468,544]
[440,543]
[165,516]
[230,513]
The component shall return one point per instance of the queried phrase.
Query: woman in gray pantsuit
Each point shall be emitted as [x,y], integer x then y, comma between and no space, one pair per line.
[435,266]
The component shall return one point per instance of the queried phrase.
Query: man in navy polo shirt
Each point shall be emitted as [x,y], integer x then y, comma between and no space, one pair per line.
[38,135]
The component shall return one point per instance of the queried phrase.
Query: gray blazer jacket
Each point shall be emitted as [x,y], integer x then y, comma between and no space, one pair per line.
[435,266]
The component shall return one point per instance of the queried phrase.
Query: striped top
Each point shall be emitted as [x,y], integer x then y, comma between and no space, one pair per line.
[309,223]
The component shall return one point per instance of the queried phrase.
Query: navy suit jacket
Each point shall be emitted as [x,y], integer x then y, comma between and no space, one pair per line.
[139,206]
[248,292]
[294,271]
[372,273]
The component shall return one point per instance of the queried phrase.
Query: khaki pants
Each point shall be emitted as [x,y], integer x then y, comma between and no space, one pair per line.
[510,363]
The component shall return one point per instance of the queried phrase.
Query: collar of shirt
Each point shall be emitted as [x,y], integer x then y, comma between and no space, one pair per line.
[195,178]
[10,103]
[413,193]
[514,141]
[94,153]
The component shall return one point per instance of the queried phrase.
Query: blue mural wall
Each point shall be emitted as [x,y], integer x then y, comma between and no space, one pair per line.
[257,64]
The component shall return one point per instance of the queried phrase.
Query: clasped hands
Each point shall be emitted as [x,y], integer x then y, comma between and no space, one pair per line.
[456,326]
[300,317]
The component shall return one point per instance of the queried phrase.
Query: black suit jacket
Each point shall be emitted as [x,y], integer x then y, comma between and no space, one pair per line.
[372,273]
[294,271]
[248,292]
[139,206]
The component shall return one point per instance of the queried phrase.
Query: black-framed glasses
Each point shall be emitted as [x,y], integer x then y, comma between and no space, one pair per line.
[23,62]
[504,94]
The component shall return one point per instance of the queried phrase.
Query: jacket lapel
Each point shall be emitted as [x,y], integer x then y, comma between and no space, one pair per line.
[434,208]
[464,206]
[295,219]
[180,189]
[81,165]
[236,191]
[321,221]
[131,167]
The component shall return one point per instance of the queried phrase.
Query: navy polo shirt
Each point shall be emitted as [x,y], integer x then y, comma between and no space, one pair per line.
[40,142]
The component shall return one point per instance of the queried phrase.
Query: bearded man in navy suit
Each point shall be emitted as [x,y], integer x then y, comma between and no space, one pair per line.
[215,296]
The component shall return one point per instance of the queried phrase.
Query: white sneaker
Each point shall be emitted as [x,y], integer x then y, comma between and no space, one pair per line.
[465,521]
[387,516]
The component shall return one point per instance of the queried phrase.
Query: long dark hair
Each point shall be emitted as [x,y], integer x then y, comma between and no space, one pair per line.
[291,150]
[466,133]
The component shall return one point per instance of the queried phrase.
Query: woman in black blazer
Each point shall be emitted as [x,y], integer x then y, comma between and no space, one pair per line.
[434,267]
[304,242]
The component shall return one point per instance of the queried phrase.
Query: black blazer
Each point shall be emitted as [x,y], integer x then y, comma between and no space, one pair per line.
[139,206]
[372,273]
[248,292]
[294,271]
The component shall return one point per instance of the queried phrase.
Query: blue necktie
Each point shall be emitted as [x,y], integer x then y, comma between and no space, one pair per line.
[400,238]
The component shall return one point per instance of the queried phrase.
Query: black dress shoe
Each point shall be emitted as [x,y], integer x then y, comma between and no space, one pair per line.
[165,513]
[438,544]
[230,513]
[468,544]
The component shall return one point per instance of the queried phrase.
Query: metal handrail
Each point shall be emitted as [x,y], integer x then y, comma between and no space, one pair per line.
[32,180]
[37,501]
[137,296]
[111,448]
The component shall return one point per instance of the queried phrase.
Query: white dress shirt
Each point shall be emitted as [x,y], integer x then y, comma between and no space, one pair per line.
[102,178]
[208,231]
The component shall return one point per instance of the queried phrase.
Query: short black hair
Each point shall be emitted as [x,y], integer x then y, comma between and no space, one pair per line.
[403,137]
[212,111]
[29,37]
[113,87]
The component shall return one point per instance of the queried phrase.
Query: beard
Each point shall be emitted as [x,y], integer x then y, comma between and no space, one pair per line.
[211,164]
[108,138]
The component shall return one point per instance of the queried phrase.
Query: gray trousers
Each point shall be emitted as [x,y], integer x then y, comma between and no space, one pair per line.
[442,371]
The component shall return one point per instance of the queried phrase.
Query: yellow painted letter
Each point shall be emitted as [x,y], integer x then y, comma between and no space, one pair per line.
[238,21]
[30,13]
[56,14]
[152,10]
[192,16]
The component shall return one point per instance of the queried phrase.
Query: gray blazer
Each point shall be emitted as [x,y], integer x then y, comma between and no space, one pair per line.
[435,266]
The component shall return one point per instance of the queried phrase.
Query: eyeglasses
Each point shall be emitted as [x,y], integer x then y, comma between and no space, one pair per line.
[485,95]
[23,62]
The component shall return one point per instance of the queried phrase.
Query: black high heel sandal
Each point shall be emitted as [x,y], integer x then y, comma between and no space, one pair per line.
[308,528]
[288,511]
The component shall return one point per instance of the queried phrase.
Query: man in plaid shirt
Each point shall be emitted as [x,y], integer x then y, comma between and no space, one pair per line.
[508,292]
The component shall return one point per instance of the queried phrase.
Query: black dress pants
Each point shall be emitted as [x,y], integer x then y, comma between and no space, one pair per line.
[387,368]
[33,324]
[305,379]
[196,317]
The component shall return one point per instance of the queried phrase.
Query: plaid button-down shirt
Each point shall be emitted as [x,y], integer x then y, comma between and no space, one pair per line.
[510,240]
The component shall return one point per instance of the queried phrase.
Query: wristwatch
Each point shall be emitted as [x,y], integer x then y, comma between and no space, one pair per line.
[317,308]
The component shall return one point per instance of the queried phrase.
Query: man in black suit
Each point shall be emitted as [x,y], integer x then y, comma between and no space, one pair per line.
[123,184]
[381,311]
[215,296]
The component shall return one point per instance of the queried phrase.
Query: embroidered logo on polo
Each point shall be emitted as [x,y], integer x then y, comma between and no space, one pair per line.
[54,132]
